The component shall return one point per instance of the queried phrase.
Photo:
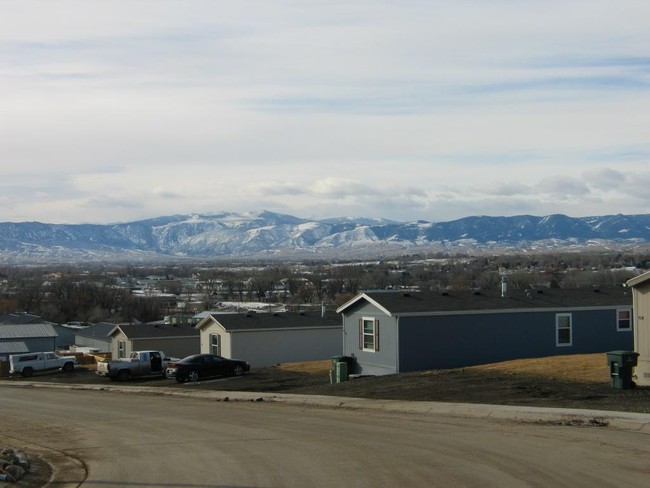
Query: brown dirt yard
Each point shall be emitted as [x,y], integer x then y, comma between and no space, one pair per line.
[579,381]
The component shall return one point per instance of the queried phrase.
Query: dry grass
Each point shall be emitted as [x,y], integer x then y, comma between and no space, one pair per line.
[591,368]
[310,367]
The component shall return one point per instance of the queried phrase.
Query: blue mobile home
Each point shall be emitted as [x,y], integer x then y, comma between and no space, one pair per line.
[394,332]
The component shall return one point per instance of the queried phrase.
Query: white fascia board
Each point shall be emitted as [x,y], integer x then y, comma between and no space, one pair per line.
[114,329]
[637,280]
[363,296]
[510,310]
[287,328]
[207,320]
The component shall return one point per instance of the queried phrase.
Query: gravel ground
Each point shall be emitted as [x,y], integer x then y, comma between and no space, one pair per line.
[505,386]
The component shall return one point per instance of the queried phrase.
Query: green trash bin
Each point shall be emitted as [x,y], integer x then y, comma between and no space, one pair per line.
[621,365]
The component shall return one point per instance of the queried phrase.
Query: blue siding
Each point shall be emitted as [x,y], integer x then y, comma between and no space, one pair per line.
[463,340]
[379,362]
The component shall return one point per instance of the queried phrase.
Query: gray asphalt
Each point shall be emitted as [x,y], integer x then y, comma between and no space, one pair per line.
[70,471]
[638,422]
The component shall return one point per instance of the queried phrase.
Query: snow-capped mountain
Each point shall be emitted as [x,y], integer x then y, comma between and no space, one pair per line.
[264,234]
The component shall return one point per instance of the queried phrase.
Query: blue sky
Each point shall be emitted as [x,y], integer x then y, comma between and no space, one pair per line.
[116,111]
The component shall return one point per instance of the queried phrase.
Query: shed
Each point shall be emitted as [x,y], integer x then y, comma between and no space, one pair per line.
[393,332]
[640,286]
[265,339]
[27,337]
[174,340]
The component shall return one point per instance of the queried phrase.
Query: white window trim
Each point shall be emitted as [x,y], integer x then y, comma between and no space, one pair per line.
[374,334]
[618,320]
[212,339]
[558,316]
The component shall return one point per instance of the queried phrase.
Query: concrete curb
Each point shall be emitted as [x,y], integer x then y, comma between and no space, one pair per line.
[629,421]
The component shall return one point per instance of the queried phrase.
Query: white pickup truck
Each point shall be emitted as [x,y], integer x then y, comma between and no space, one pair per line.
[139,363]
[26,364]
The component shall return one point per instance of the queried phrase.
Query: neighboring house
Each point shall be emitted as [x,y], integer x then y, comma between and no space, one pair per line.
[640,286]
[22,318]
[95,336]
[265,339]
[65,333]
[393,332]
[16,339]
[173,340]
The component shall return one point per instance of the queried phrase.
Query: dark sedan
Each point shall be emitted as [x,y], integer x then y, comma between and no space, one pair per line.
[200,366]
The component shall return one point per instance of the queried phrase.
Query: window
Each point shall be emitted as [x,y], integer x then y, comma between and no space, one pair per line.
[563,335]
[121,349]
[369,334]
[624,319]
[215,344]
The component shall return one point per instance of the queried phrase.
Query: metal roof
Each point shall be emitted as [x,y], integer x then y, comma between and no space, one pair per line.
[278,320]
[400,303]
[13,347]
[26,331]
[145,331]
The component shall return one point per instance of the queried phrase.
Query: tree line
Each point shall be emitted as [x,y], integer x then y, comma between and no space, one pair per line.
[94,293]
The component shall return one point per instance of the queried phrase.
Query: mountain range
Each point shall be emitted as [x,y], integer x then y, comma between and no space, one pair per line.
[267,235]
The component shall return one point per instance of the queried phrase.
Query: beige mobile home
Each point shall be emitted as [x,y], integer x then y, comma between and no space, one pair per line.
[640,286]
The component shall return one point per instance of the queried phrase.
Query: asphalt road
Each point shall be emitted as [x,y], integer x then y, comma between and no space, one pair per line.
[132,441]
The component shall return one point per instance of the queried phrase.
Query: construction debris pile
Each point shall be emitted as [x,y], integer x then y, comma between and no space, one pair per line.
[13,465]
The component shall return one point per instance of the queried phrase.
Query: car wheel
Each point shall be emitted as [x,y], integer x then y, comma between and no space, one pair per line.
[124,375]
[192,376]
[238,370]
[67,367]
[27,372]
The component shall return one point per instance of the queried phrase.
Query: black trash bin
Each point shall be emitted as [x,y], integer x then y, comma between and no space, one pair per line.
[621,364]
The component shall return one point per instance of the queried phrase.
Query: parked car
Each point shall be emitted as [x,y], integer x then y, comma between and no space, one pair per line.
[200,366]
[27,364]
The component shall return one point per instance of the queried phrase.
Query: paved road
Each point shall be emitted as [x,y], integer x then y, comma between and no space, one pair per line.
[135,441]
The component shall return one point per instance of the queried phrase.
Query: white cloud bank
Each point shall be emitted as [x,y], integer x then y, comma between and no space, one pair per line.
[122,110]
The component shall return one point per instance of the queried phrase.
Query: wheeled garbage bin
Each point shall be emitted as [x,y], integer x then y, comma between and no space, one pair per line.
[621,364]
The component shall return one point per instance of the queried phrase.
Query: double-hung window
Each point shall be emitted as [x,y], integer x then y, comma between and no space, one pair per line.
[121,349]
[215,344]
[563,329]
[369,334]
[624,319]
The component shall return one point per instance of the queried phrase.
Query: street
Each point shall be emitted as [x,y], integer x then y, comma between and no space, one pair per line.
[134,440]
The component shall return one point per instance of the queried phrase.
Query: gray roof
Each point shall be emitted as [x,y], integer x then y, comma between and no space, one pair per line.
[400,303]
[21,318]
[96,331]
[279,320]
[13,347]
[145,331]
[26,331]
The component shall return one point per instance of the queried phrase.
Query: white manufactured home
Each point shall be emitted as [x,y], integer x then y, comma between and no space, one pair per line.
[266,339]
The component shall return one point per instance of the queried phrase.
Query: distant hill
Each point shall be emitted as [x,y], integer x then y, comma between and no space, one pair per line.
[267,235]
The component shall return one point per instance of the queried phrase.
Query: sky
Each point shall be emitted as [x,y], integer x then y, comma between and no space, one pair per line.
[116,111]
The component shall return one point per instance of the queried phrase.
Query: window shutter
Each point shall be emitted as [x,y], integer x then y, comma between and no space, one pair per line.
[376,335]
[360,334]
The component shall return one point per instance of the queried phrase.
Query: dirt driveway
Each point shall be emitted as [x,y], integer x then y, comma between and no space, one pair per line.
[580,381]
